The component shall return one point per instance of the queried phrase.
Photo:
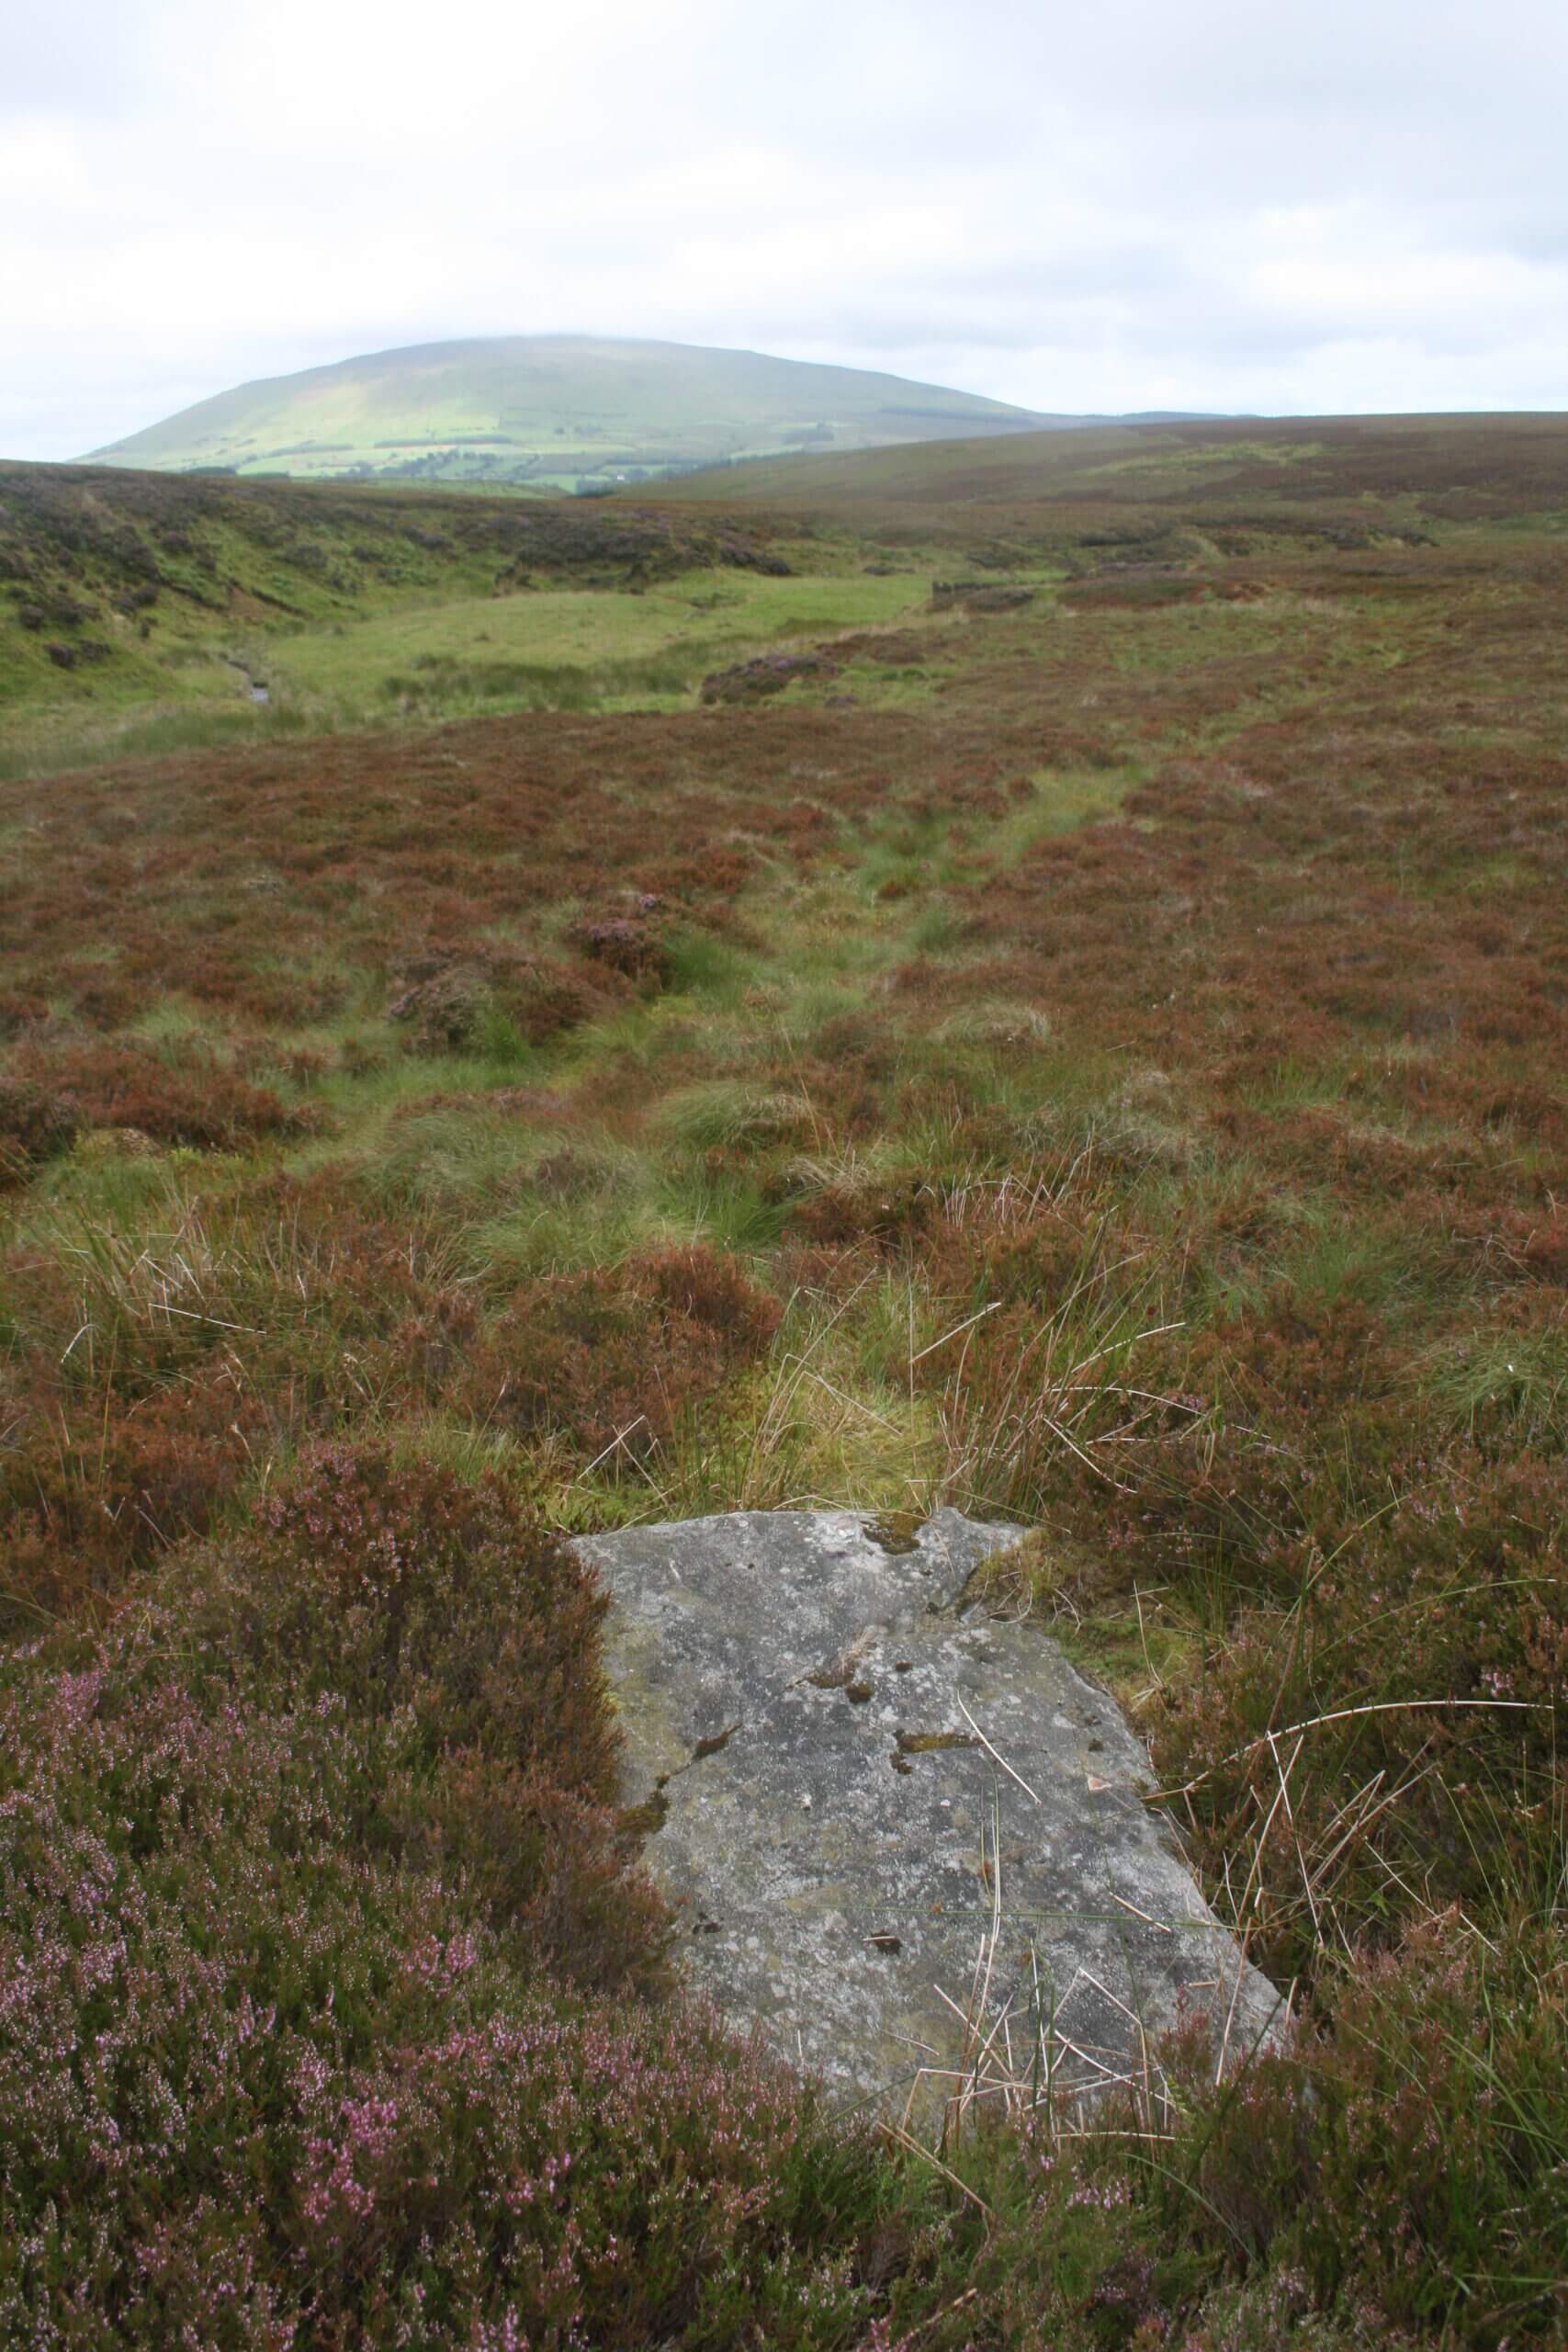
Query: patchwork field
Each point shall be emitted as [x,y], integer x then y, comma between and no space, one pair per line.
[1094,1055]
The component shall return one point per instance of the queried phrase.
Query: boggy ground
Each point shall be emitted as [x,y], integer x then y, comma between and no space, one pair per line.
[1100,1063]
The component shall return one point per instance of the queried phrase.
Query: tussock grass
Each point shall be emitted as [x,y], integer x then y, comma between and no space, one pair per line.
[1505,1390]
[996,1022]
[717,1114]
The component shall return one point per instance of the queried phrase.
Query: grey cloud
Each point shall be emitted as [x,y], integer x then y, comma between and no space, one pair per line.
[72,56]
[1135,206]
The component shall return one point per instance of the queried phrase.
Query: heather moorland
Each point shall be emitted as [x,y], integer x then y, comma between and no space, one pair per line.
[1030,974]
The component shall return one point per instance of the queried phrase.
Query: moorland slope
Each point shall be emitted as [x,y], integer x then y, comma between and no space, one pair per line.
[1365,473]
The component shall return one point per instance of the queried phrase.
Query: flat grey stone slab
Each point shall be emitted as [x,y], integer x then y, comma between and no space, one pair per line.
[902,1838]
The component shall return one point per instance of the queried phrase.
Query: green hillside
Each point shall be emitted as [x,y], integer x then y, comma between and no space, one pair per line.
[552,411]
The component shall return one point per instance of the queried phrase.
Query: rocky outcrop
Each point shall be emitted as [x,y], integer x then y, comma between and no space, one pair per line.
[906,1840]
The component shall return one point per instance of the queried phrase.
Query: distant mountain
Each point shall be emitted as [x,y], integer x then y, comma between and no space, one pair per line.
[1169,416]
[554,412]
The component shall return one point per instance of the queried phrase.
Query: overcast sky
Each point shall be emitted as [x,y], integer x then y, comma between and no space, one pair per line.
[1284,206]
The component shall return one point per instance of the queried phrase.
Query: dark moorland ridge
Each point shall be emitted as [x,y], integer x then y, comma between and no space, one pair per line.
[554,412]
[1093,1058]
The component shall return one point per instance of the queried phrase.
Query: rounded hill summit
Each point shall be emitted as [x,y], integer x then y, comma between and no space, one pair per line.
[553,411]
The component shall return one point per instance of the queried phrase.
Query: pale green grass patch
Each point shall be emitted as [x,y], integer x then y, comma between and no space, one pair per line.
[1293,1085]
[807,1428]
[45,744]
[111,1182]
[460,1160]
[997,1023]
[602,649]
[1062,802]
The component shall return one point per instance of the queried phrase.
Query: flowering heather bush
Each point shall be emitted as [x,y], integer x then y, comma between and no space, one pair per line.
[628,942]
[278,2065]
[406,1596]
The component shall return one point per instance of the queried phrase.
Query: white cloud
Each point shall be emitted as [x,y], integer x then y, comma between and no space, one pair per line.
[1320,205]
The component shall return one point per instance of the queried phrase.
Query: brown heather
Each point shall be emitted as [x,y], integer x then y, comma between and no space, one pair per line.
[612,1358]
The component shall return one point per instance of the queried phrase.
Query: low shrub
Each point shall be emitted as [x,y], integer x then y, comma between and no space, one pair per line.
[36,1122]
[93,1490]
[618,1355]
[152,1376]
[119,1083]
[631,944]
[461,1000]
[298,1866]
[1400,2178]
